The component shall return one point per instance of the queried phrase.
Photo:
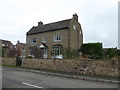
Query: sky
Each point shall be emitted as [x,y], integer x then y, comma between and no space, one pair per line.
[119,25]
[98,18]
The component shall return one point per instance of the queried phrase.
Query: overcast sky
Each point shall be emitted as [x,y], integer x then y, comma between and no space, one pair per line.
[98,18]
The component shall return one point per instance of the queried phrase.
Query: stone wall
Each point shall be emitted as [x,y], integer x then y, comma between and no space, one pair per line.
[92,67]
[9,61]
[89,67]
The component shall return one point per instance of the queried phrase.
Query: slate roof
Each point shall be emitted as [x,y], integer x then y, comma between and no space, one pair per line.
[64,24]
[6,43]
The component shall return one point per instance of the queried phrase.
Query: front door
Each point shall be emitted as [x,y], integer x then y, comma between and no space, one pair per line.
[43,52]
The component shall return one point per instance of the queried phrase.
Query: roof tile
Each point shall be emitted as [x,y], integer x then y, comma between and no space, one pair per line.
[49,27]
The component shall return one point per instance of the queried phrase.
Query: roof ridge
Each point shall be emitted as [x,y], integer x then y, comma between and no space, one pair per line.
[63,24]
[57,21]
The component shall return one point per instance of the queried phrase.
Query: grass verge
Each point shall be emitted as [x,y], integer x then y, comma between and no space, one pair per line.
[8,65]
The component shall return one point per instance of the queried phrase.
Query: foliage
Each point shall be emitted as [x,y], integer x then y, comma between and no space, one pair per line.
[92,50]
[70,53]
[111,52]
[67,53]
[29,57]
[1,52]
[118,52]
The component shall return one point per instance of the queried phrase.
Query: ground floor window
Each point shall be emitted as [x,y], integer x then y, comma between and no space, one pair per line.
[32,51]
[57,51]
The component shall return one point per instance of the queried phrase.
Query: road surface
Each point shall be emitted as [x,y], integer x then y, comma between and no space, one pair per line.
[16,78]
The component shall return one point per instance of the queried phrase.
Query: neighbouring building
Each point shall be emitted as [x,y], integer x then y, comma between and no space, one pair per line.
[8,49]
[50,40]
[20,49]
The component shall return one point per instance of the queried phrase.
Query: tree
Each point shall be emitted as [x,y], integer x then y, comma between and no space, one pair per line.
[111,52]
[92,50]
[2,51]
[118,52]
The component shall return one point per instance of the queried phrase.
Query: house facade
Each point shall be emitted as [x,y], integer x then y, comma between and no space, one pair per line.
[20,49]
[50,40]
[8,49]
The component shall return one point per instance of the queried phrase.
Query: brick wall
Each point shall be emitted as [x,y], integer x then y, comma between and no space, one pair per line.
[92,67]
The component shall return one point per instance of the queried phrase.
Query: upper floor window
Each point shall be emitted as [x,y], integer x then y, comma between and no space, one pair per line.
[44,39]
[57,37]
[74,27]
[33,41]
[80,32]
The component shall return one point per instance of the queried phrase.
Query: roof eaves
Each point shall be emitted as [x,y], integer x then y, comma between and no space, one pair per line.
[47,31]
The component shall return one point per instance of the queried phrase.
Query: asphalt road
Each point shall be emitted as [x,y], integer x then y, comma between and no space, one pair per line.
[15,78]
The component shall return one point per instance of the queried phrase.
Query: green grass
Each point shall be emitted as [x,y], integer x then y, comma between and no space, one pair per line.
[11,66]
[8,65]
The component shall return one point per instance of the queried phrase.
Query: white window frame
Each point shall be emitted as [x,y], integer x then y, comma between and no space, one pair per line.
[80,32]
[74,27]
[57,50]
[44,39]
[57,37]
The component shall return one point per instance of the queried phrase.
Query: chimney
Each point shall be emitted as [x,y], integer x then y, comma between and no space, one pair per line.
[40,23]
[75,16]
[18,41]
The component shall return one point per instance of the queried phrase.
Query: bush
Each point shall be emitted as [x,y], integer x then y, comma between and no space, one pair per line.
[92,50]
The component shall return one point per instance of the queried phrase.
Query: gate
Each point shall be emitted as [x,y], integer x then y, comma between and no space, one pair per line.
[18,61]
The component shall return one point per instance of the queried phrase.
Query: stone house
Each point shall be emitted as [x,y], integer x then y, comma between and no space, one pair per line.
[20,49]
[8,49]
[49,40]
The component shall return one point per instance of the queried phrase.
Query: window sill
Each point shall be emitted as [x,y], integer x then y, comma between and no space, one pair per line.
[57,40]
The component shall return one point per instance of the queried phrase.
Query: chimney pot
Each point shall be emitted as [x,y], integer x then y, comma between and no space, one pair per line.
[40,23]
[75,16]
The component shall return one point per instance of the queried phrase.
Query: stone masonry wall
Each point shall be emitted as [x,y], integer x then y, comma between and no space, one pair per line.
[92,67]
[9,61]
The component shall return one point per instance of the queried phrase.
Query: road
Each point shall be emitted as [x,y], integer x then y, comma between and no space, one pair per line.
[16,78]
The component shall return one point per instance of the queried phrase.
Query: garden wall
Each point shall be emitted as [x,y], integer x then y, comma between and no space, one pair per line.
[92,67]
[9,61]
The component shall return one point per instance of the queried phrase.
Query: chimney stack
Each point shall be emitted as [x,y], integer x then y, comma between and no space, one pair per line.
[75,16]
[40,23]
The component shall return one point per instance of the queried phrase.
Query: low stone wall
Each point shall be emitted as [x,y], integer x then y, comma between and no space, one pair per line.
[92,67]
[9,61]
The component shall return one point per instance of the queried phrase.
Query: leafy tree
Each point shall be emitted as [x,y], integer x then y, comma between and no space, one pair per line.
[92,50]
[118,52]
[111,52]
[69,53]
[2,51]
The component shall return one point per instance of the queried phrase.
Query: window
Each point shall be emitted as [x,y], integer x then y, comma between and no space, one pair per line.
[74,27]
[80,32]
[57,50]
[57,37]
[44,39]
[31,51]
[33,41]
